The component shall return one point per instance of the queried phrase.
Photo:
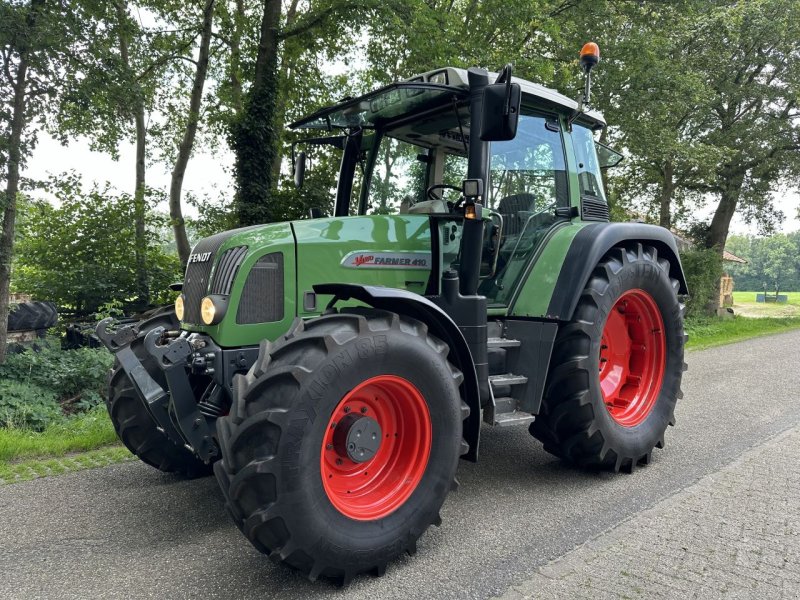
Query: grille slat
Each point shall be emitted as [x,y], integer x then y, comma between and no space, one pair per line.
[262,296]
[594,209]
[227,268]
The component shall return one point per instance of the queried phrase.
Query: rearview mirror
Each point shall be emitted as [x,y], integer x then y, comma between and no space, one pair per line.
[300,170]
[501,102]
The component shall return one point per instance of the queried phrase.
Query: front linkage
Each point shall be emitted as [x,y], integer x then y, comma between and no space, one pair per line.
[173,406]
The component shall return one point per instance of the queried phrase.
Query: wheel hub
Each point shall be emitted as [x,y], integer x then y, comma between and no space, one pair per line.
[357,437]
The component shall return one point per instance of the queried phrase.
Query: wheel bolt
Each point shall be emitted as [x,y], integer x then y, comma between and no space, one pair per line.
[347,409]
[363,410]
[339,461]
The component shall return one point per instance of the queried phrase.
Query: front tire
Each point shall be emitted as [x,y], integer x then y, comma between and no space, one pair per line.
[616,368]
[306,497]
[132,422]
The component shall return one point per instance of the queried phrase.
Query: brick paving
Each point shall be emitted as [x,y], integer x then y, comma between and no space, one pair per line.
[733,534]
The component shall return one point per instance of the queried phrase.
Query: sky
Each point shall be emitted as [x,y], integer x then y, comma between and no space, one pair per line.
[208,174]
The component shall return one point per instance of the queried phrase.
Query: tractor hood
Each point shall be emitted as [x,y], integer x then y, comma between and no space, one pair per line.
[262,277]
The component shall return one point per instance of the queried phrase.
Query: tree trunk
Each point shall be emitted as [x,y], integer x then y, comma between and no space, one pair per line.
[187,143]
[12,187]
[253,134]
[139,202]
[665,198]
[18,121]
[280,102]
[720,223]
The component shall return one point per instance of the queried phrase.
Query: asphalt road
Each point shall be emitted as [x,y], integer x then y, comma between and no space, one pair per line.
[130,532]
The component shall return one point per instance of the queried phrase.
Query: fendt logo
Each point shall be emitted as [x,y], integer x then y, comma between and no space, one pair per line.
[200,257]
[387,260]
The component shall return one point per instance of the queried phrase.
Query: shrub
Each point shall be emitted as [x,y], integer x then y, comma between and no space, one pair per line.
[25,405]
[703,269]
[76,377]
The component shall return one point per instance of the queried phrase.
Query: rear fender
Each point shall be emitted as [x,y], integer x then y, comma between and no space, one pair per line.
[439,324]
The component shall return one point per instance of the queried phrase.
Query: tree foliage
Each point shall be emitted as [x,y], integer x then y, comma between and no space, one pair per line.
[79,253]
[772,262]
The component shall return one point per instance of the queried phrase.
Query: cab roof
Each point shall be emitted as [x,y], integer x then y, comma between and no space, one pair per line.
[428,90]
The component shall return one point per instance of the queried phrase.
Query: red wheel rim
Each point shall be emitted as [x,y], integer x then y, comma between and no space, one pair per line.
[377,487]
[632,357]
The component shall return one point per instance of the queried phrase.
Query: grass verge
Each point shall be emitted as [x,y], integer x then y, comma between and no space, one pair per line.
[17,471]
[82,441]
[78,433]
[707,333]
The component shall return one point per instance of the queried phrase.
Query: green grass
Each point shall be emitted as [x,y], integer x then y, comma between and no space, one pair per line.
[707,333]
[750,297]
[84,441]
[78,433]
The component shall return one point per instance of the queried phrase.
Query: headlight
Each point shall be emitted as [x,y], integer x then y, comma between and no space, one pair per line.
[179,307]
[208,311]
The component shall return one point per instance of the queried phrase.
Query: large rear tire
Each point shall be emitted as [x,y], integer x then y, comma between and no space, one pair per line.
[294,473]
[26,316]
[616,368]
[135,427]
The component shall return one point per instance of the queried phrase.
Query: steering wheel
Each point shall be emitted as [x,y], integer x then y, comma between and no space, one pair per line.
[440,186]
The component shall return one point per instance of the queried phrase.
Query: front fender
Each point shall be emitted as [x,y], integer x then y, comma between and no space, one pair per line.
[440,324]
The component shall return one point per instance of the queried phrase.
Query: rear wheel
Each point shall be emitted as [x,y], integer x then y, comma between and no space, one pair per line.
[616,369]
[133,423]
[342,443]
[32,315]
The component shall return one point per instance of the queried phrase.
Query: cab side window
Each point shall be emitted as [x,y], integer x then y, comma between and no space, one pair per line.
[589,177]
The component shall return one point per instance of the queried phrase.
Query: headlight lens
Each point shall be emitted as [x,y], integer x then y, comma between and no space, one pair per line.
[207,310]
[179,307]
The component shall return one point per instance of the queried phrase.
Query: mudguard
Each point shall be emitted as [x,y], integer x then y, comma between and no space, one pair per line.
[440,325]
[588,248]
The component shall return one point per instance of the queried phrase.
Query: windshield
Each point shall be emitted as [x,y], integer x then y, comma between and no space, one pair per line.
[389,103]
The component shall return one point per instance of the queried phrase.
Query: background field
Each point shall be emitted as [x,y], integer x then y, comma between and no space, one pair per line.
[744,304]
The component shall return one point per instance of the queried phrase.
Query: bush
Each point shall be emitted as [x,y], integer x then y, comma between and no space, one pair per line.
[75,378]
[703,269]
[25,405]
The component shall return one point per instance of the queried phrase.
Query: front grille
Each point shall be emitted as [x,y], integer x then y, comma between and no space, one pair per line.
[262,297]
[226,270]
[594,209]
[195,285]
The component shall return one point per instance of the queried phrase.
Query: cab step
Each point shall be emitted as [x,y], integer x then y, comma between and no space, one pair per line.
[507,379]
[513,418]
[496,342]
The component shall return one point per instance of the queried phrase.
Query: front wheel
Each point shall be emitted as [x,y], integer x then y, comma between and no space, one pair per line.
[616,368]
[342,442]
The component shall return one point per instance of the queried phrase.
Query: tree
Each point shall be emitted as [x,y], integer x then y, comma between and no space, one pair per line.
[255,131]
[30,35]
[752,119]
[95,229]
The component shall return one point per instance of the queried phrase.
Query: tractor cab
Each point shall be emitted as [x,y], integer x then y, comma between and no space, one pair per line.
[406,149]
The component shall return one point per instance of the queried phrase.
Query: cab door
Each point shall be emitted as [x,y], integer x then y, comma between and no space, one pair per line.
[527,185]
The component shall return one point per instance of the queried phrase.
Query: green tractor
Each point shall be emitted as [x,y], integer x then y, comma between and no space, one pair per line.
[332,370]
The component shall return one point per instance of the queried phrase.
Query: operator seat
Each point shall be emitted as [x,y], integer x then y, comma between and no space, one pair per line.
[515,210]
